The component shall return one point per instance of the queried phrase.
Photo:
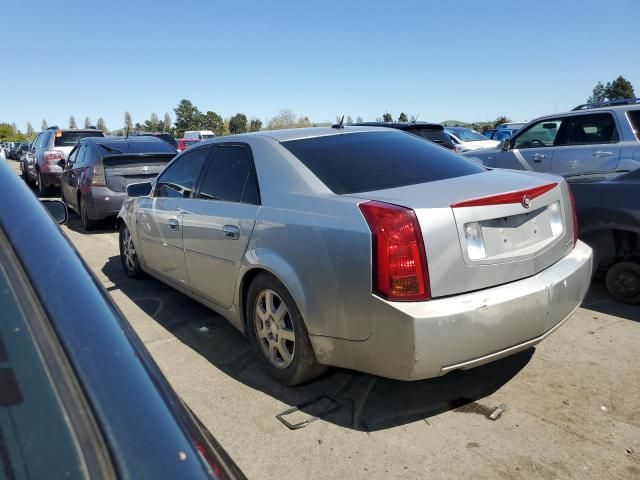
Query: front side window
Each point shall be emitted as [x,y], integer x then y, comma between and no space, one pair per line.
[592,129]
[179,179]
[541,134]
[227,178]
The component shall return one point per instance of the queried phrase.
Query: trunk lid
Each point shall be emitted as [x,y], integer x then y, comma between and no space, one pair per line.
[480,231]
[123,170]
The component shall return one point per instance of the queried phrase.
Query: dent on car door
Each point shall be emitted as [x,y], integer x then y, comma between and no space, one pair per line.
[159,219]
[219,222]
[591,144]
[533,149]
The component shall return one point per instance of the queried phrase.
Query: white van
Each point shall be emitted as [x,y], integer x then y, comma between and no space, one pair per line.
[199,134]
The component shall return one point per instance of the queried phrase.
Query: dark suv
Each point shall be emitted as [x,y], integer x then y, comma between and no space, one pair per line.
[41,165]
[431,131]
[96,173]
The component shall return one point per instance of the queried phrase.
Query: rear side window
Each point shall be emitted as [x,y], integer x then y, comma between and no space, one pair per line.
[227,177]
[368,161]
[592,129]
[634,121]
[179,179]
[69,139]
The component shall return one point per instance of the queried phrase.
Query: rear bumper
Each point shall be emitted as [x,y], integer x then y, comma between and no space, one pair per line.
[50,179]
[417,340]
[104,203]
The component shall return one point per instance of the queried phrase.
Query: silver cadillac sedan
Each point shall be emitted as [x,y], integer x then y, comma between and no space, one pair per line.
[360,247]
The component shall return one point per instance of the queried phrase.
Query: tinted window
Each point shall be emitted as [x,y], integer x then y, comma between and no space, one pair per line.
[432,134]
[69,139]
[139,144]
[367,161]
[43,139]
[180,178]
[73,156]
[541,134]
[81,151]
[591,129]
[634,120]
[35,439]
[227,175]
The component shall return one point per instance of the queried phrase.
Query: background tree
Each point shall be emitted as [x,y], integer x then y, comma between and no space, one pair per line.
[284,119]
[387,117]
[599,94]
[87,122]
[238,123]
[620,88]
[303,122]
[349,120]
[188,117]
[358,119]
[10,133]
[255,125]
[100,125]
[72,122]
[30,130]
[212,121]
[44,125]
[501,119]
[167,122]
[128,122]
[403,117]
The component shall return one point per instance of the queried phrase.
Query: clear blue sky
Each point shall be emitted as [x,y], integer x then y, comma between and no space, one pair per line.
[464,60]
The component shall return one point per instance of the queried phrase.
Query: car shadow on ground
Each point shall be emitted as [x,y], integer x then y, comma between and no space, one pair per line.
[346,398]
[599,300]
[103,226]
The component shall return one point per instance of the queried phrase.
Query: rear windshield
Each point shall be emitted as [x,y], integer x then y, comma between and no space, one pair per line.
[467,135]
[435,135]
[206,136]
[133,146]
[634,120]
[70,139]
[368,161]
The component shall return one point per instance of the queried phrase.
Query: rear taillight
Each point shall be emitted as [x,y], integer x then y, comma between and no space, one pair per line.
[517,196]
[575,218]
[399,259]
[98,179]
[52,157]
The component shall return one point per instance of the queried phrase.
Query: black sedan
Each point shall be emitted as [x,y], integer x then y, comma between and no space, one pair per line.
[80,397]
[608,210]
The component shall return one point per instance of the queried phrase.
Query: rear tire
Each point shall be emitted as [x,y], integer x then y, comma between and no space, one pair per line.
[43,190]
[87,223]
[128,254]
[623,282]
[278,334]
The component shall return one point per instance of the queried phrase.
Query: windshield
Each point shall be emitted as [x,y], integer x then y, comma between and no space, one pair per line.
[467,135]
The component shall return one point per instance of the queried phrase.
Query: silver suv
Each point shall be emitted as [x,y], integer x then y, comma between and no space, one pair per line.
[40,165]
[599,137]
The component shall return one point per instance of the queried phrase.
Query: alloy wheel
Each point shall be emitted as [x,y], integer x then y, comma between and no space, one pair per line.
[128,250]
[274,329]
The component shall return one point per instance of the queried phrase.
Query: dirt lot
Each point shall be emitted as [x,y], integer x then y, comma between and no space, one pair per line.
[572,403]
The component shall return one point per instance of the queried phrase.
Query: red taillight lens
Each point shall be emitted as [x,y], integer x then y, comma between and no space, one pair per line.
[575,218]
[52,157]
[399,260]
[516,196]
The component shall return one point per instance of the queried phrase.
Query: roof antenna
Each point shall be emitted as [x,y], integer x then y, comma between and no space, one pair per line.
[339,125]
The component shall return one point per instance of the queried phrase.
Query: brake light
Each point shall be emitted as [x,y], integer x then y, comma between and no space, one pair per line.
[52,157]
[399,260]
[98,179]
[517,196]
[575,218]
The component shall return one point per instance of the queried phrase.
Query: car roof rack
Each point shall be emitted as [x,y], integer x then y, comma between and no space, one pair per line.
[608,103]
[53,127]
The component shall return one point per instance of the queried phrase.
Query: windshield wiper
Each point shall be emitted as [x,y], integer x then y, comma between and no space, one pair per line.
[109,149]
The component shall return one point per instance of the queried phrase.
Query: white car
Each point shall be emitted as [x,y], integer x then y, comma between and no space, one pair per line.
[466,139]
[199,134]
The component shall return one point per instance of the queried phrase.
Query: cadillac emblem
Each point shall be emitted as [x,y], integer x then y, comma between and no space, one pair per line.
[526,201]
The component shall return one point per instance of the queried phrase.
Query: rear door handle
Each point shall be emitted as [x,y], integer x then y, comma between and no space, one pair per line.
[601,154]
[537,157]
[174,224]
[231,232]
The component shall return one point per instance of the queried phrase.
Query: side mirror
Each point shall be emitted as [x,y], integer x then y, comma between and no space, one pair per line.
[139,189]
[61,163]
[505,144]
[57,209]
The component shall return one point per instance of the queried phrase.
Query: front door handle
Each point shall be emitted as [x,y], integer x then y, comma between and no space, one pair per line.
[174,224]
[231,232]
[601,154]
[538,157]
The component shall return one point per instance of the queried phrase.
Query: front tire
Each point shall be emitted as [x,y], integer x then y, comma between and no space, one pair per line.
[623,282]
[128,254]
[278,334]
